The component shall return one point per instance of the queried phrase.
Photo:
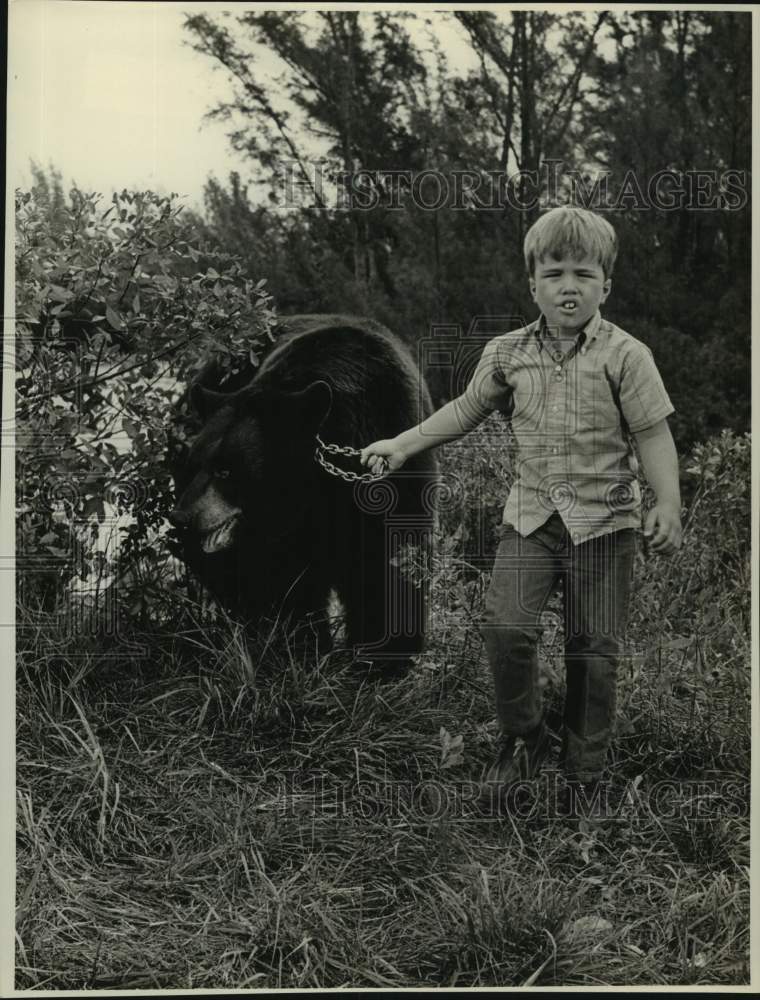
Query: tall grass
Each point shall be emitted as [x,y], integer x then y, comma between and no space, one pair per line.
[205,814]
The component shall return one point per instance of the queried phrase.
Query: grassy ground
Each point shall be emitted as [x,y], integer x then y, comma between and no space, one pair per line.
[198,817]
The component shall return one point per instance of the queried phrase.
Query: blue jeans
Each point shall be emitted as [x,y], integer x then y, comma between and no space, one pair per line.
[596,577]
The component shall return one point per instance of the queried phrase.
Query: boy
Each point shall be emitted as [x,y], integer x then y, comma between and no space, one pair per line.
[579,388]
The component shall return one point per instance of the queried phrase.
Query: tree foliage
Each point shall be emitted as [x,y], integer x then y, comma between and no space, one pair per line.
[571,97]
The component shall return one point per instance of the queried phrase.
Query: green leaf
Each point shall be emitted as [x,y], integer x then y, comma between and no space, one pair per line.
[94,505]
[114,318]
[451,749]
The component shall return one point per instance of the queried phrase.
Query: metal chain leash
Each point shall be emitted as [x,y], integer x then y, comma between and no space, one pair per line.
[337,449]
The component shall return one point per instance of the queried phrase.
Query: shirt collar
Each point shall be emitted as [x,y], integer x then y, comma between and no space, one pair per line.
[587,334]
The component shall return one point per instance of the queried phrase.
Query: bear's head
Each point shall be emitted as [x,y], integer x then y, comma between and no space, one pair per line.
[252,466]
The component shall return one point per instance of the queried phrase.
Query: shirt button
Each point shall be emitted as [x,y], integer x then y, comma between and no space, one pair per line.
[554,409]
[558,377]
[558,368]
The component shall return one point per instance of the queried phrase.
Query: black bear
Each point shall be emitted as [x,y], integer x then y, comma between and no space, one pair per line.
[265,518]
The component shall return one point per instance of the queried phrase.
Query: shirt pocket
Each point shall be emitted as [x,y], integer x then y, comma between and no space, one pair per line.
[594,402]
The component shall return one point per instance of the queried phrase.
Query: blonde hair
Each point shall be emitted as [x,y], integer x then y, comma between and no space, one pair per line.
[571,232]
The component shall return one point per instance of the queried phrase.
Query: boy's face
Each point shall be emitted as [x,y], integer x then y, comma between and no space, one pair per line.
[568,292]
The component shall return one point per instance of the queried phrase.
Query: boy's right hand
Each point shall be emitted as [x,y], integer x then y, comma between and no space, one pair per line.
[383,456]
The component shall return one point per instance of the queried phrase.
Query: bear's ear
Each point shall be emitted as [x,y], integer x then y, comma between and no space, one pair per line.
[205,402]
[312,404]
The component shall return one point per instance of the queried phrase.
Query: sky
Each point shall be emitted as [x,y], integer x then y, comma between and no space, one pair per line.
[112,96]
[109,94]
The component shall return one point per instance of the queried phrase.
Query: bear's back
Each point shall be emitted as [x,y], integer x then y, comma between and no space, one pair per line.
[357,346]
[377,389]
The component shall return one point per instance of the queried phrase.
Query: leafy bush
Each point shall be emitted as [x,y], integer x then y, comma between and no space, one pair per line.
[117,308]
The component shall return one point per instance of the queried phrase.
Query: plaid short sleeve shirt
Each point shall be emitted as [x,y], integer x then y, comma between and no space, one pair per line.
[575,402]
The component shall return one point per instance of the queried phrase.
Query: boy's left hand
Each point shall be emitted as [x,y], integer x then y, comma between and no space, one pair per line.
[662,529]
